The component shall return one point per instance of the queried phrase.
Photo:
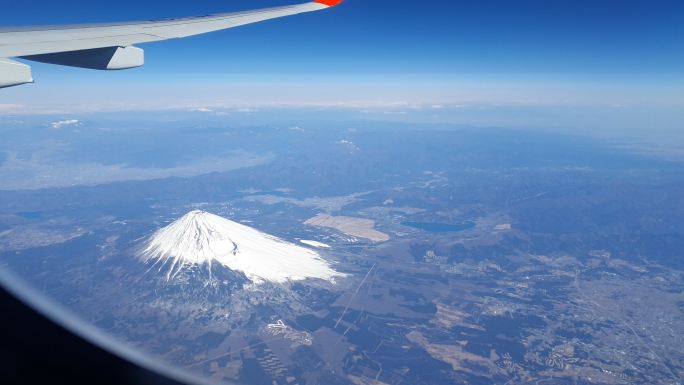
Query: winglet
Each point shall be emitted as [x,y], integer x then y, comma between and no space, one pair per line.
[329,3]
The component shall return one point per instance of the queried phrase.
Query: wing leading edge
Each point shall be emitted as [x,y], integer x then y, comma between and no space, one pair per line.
[110,46]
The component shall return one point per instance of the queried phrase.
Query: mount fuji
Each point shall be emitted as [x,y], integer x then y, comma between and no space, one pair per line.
[202,239]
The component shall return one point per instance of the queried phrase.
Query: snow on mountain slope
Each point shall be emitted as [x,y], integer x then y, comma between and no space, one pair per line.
[316,244]
[200,238]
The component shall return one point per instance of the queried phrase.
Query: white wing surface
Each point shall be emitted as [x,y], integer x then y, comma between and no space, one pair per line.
[110,46]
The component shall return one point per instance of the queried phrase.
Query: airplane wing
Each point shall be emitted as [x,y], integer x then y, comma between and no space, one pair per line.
[110,46]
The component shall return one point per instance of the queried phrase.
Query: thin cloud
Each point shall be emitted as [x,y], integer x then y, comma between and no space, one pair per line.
[65,123]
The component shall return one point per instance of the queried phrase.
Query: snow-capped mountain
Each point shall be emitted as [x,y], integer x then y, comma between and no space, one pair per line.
[200,239]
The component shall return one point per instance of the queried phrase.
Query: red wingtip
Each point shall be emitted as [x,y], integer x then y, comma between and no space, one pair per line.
[329,3]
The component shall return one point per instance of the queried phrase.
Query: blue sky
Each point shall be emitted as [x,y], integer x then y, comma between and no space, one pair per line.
[579,52]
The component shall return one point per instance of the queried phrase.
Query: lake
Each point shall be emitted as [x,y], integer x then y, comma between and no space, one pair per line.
[435,227]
